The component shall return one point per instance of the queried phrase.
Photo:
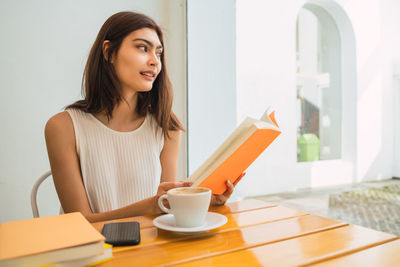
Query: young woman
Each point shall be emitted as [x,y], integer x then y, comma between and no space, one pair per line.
[114,153]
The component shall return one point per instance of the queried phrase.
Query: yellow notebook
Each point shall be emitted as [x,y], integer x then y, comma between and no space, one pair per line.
[47,240]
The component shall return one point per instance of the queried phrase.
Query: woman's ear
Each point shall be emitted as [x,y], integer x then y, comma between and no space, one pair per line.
[106,46]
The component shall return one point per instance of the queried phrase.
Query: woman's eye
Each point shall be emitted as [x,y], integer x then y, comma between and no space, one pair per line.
[159,54]
[143,47]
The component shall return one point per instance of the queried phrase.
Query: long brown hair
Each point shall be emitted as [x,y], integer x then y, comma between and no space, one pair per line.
[100,84]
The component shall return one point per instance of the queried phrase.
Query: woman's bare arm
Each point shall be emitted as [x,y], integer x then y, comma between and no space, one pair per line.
[169,157]
[65,168]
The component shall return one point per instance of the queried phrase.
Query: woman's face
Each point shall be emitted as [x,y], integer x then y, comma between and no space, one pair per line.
[138,61]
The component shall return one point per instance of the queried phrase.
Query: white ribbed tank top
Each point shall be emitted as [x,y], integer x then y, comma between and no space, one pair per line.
[118,168]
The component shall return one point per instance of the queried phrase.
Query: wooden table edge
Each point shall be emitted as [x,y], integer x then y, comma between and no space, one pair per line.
[340,224]
[338,254]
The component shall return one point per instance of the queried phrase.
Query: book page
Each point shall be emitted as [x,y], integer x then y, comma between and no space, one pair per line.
[211,166]
[222,148]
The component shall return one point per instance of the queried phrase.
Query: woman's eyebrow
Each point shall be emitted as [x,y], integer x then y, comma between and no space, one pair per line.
[147,42]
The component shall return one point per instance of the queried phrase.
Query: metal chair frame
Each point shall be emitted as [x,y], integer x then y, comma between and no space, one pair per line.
[35,188]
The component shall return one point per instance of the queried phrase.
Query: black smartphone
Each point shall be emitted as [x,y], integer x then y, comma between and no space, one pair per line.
[122,234]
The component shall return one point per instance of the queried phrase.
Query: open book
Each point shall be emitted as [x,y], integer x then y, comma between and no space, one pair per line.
[236,153]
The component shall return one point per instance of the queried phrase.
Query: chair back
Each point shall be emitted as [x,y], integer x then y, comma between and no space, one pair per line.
[35,188]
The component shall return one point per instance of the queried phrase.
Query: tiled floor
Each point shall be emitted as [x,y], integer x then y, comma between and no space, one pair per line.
[316,201]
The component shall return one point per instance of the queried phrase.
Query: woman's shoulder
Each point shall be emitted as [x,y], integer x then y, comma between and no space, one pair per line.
[60,118]
[59,124]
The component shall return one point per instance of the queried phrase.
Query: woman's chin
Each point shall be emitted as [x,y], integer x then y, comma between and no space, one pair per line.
[144,90]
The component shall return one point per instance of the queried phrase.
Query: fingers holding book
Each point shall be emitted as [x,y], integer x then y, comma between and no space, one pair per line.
[218,200]
[239,178]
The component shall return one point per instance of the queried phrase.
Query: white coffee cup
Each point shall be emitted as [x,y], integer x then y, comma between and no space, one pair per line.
[189,205]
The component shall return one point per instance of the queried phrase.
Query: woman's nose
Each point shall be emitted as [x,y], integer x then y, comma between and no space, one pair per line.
[154,60]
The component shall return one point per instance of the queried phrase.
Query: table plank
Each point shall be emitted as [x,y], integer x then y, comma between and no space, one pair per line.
[259,216]
[229,208]
[213,243]
[239,206]
[385,255]
[152,236]
[303,250]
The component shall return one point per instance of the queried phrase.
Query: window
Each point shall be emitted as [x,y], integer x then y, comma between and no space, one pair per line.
[318,82]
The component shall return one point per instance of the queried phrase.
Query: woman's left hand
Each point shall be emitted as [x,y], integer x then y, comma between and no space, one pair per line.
[218,200]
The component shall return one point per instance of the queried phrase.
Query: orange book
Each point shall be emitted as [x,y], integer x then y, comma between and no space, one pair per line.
[236,153]
[48,240]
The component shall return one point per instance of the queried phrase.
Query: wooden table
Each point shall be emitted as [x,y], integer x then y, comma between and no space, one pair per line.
[260,234]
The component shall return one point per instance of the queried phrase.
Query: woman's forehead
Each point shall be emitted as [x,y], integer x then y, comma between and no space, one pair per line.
[146,34]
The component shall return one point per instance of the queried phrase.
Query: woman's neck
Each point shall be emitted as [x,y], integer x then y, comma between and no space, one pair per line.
[125,111]
[124,116]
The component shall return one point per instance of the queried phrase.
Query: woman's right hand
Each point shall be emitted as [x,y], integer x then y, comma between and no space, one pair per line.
[163,189]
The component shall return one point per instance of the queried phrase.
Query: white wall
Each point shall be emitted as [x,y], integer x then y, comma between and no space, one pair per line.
[44,48]
[211,76]
[266,76]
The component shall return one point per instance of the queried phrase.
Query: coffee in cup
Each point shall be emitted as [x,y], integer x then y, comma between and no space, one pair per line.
[189,190]
[189,205]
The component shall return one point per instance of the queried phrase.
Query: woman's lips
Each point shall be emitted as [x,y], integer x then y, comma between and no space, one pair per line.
[148,75]
[149,78]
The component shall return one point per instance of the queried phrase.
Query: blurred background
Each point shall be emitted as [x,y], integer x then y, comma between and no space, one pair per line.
[330,69]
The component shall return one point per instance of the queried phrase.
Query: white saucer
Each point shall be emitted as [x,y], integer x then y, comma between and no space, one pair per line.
[167,222]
